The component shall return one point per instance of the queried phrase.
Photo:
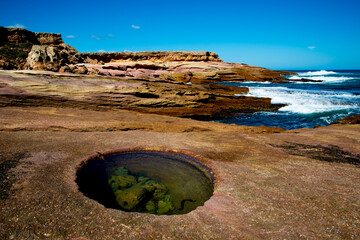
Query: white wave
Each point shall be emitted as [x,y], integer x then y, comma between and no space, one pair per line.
[252,82]
[306,101]
[317,73]
[324,78]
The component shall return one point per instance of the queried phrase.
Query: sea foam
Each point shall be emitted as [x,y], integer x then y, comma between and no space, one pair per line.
[317,73]
[335,96]
[306,101]
[323,78]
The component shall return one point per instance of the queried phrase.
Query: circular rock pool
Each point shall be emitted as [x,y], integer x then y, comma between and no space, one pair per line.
[162,183]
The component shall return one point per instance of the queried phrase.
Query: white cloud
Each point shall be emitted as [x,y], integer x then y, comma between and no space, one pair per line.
[135,27]
[311,47]
[96,37]
[70,36]
[16,26]
[110,35]
[101,51]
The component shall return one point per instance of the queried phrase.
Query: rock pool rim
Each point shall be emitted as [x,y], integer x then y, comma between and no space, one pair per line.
[195,160]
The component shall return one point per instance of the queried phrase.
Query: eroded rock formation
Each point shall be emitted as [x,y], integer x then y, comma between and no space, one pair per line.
[187,72]
[19,35]
[52,58]
[105,93]
[17,43]
[22,49]
[161,82]
[153,56]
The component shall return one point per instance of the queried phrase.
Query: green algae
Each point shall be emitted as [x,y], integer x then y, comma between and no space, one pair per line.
[159,183]
[140,193]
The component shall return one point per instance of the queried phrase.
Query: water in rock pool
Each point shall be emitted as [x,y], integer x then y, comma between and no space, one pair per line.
[150,182]
[332,95]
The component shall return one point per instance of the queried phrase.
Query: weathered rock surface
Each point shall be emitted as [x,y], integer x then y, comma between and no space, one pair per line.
[22,49]
[52,58]
[112,94]
[19,35]
[188,72]
[16,43]
[49,38]
[153,56]
[298,184]
[268,186]
[350,120]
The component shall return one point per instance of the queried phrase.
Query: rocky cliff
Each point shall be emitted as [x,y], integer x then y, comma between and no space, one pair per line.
[22,49]
[153,56]
[17,43]
[162,82]
[19,35]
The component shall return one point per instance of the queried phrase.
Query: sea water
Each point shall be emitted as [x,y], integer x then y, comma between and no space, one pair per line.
[334,94]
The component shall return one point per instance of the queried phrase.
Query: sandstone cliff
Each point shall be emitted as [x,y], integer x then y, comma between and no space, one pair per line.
[154,56]
[22,49]
[19,35]
[162,82]
[16,44]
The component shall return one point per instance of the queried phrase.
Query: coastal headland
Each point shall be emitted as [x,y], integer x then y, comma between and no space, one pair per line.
[58,107]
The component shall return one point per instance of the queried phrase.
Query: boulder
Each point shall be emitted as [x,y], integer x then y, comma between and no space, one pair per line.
[42,57]
[123,181]
[349,120]
[48,57]
[65,69]
[130,198]
[81,70]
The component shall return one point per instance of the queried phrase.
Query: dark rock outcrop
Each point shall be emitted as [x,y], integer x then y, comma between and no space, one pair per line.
[19,35]
[349,120]
[17,43]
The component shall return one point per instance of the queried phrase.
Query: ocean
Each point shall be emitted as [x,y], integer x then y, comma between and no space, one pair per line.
[334,95]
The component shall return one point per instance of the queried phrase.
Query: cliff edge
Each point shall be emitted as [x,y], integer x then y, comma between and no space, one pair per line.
[23,49]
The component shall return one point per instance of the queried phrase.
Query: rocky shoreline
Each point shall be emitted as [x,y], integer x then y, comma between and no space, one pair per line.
[47,51]
[178,84]
[204,102]
[269,183]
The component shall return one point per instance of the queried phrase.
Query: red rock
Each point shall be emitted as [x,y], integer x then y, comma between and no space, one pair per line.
[350,120]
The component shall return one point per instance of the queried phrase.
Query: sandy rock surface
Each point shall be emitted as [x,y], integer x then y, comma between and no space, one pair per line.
[104,93]
[263,189]
[269,183]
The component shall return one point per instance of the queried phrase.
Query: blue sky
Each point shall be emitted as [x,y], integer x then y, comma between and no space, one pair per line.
[278,34]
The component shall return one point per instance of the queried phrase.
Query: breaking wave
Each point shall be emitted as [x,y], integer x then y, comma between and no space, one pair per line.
[317,73]
[323,78]
[336,95]
[307,101]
